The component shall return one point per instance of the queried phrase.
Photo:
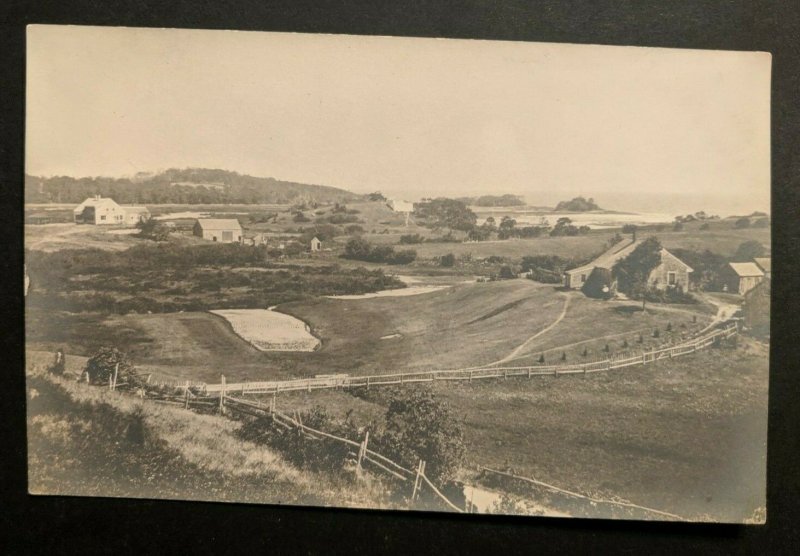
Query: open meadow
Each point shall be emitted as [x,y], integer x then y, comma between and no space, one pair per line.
[685,436]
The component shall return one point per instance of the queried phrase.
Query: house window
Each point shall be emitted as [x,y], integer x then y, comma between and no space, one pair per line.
[672,278]
[583,277]
[102,217]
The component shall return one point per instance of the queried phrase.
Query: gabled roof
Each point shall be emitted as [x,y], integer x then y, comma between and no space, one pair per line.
[613,254]
[315,238]
[764,263]
[616,253]
[746,269]
[94,202]
[219,223]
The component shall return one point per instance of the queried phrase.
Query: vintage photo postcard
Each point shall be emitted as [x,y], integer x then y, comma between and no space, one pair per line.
[398,273]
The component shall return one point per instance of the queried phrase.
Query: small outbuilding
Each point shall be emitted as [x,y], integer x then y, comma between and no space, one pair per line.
[741,277]
[222,230]
[756,308]
[315,244]
[765,264]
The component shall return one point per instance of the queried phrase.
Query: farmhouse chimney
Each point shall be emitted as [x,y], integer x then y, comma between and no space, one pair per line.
[97,197]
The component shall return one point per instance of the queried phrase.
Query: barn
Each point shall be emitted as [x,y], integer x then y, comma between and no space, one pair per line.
[596,276]
[223,230]
[741,277]
[756,308]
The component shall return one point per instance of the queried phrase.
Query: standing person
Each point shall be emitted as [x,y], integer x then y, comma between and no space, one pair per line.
[57,368]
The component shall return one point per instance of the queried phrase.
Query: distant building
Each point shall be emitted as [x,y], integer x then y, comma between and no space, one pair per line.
[255,239]
[223,230]
[104,211]
[756,308]
[404,207]
[596,276]
[316,244]
[765,264]
[741,277]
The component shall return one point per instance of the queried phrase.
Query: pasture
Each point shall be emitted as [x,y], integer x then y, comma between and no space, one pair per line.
[686,436]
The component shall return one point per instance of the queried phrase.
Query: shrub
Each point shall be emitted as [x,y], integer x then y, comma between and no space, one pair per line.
[404,256]
[411,239]
[419,426]
[742,222]
[101,367]
[448,260]
[507,273]
[354,229]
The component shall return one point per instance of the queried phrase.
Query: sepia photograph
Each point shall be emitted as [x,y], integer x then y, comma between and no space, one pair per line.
[395,273]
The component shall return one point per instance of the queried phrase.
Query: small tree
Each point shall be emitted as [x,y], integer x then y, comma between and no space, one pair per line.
[447,260]
[154,230]
[633,271]
[748,250]
[419,426]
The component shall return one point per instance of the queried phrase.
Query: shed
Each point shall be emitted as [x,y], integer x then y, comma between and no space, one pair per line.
[315,244]
[765,264]
[756,308]
[223,230]
[742,277]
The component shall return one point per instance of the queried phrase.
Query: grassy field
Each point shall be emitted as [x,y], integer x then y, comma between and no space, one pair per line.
[464,325]
[686,436]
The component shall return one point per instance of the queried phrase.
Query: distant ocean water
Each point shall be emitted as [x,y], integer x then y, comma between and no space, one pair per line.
[532,216]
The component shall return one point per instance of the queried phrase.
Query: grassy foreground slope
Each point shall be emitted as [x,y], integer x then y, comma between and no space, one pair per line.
[87,441]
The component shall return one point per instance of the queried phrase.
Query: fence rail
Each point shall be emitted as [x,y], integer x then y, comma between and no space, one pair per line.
[256,409]
[343,381]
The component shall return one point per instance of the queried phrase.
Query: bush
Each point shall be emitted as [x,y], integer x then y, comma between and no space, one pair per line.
[506,273]
[448,260]
[354,229]
[101,367]
[361,250]
[154,230]
[419,426]
[743,222]
[408,239]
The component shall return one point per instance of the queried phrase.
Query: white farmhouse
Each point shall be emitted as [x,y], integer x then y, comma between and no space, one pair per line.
[104,211]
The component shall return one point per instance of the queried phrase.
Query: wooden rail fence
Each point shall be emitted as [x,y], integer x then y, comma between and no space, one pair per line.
[343,381]
[364,454]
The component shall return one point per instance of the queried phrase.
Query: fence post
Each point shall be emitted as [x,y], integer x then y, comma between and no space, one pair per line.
[367,382]
[529,372]
[362,450]
[272,405]
[470,376]
[186,397]
[222,393]
[420,467]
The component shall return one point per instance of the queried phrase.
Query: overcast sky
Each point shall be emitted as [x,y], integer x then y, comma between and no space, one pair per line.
[635,128]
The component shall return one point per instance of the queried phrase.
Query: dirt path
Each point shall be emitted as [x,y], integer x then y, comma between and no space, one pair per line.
[724,310]
[519,349]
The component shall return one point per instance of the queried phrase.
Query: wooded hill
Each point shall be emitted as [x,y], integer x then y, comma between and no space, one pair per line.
[181,186]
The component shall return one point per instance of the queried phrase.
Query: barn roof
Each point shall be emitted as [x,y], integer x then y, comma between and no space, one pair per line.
[219,223]
[764,263]
[746,269]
